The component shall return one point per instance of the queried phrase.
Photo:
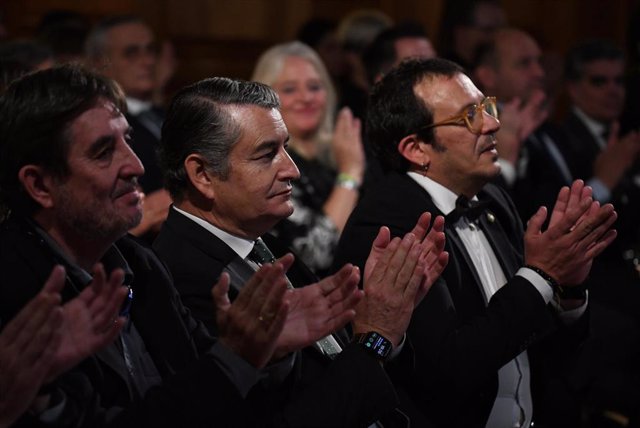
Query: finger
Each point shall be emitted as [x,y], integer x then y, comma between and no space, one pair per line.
[273,284]
[97,283]
[286,261]
[534,225]
[55,282]
[252,286]
[382,239]
[31,319]
[602,244]
[407,276]
[106,293]
[220,293]
[396,274]
[434,248]
[345,288]
[38,340]
[336,281]
[107,309]
[421,227]
[562,201]
[108,336]
[268,309]
[569,219]
[276,326]
[594,229]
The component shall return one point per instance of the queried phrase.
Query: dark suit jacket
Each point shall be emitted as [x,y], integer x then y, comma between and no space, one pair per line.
[459,341]
[195,392]
[350,391]
[540,178]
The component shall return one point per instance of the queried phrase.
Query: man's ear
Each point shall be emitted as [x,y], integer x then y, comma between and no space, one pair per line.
[38,184]
[199,176]
[411,149]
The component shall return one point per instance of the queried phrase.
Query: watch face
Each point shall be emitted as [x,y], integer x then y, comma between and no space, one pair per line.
[377,344]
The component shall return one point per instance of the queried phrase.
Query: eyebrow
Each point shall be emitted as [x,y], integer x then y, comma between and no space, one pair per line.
[100,143]
[269,145]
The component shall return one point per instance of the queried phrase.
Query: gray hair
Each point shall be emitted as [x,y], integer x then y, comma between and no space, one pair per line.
[95,46]
[199,122]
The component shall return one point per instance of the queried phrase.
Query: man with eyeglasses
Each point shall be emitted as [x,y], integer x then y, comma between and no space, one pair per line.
[124,49]
[434,132]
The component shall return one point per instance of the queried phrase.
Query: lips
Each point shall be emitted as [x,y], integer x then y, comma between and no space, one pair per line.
[125,190]
[286,192]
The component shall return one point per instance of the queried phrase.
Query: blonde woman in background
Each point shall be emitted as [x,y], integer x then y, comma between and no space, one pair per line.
[331,160]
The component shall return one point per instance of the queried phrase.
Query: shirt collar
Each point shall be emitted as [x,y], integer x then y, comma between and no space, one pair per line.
[443,198]
[136,106]
[241,246]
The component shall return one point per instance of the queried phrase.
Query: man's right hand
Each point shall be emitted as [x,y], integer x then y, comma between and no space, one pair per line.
[390,287]
[579,230]
[252,324]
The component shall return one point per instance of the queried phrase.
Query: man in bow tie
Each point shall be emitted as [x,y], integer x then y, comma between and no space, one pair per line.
[505,293]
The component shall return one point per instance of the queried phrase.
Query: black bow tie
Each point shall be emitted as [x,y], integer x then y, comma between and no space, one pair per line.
[467,208]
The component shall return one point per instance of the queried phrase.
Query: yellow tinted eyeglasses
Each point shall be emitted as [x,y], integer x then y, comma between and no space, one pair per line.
[472,116]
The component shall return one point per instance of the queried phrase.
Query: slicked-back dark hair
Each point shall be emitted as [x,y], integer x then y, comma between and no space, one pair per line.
[36,113]
[198,122]
[587,52]
[395,110]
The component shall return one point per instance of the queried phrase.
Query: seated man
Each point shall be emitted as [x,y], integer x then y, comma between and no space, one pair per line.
[45,339]
[69,179]
[225,163]
[434,130]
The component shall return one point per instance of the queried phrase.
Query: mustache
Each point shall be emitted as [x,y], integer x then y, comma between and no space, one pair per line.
[126,187]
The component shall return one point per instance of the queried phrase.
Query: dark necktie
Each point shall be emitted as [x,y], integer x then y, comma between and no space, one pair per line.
[467,208]
[260,254]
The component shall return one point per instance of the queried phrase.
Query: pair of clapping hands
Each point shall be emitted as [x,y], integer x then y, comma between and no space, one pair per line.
[267,320]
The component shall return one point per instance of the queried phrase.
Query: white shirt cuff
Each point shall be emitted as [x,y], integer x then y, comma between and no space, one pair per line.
[538,282]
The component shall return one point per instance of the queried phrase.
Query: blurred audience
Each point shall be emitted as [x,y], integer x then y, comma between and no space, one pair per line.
[323,197]
[355,32]
[124,49]
[64,32]
[467,25]
[390,47]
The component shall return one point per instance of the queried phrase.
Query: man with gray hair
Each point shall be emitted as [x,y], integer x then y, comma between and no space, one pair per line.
[225,162]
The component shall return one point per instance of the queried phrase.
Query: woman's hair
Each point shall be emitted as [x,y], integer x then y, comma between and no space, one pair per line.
[270,65]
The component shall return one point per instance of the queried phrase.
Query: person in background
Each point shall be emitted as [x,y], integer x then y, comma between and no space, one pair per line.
[124,49]
[466,26]
[323,197]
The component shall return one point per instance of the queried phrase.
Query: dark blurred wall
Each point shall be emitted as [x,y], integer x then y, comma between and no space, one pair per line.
[224,37]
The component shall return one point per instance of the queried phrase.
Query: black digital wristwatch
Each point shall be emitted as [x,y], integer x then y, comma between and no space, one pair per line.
[375,343]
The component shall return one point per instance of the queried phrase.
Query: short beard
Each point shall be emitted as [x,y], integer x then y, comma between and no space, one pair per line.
[81,219]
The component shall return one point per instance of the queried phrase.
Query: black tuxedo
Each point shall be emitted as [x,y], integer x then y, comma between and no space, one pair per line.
[459,341]
[352,390]
[194,391]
